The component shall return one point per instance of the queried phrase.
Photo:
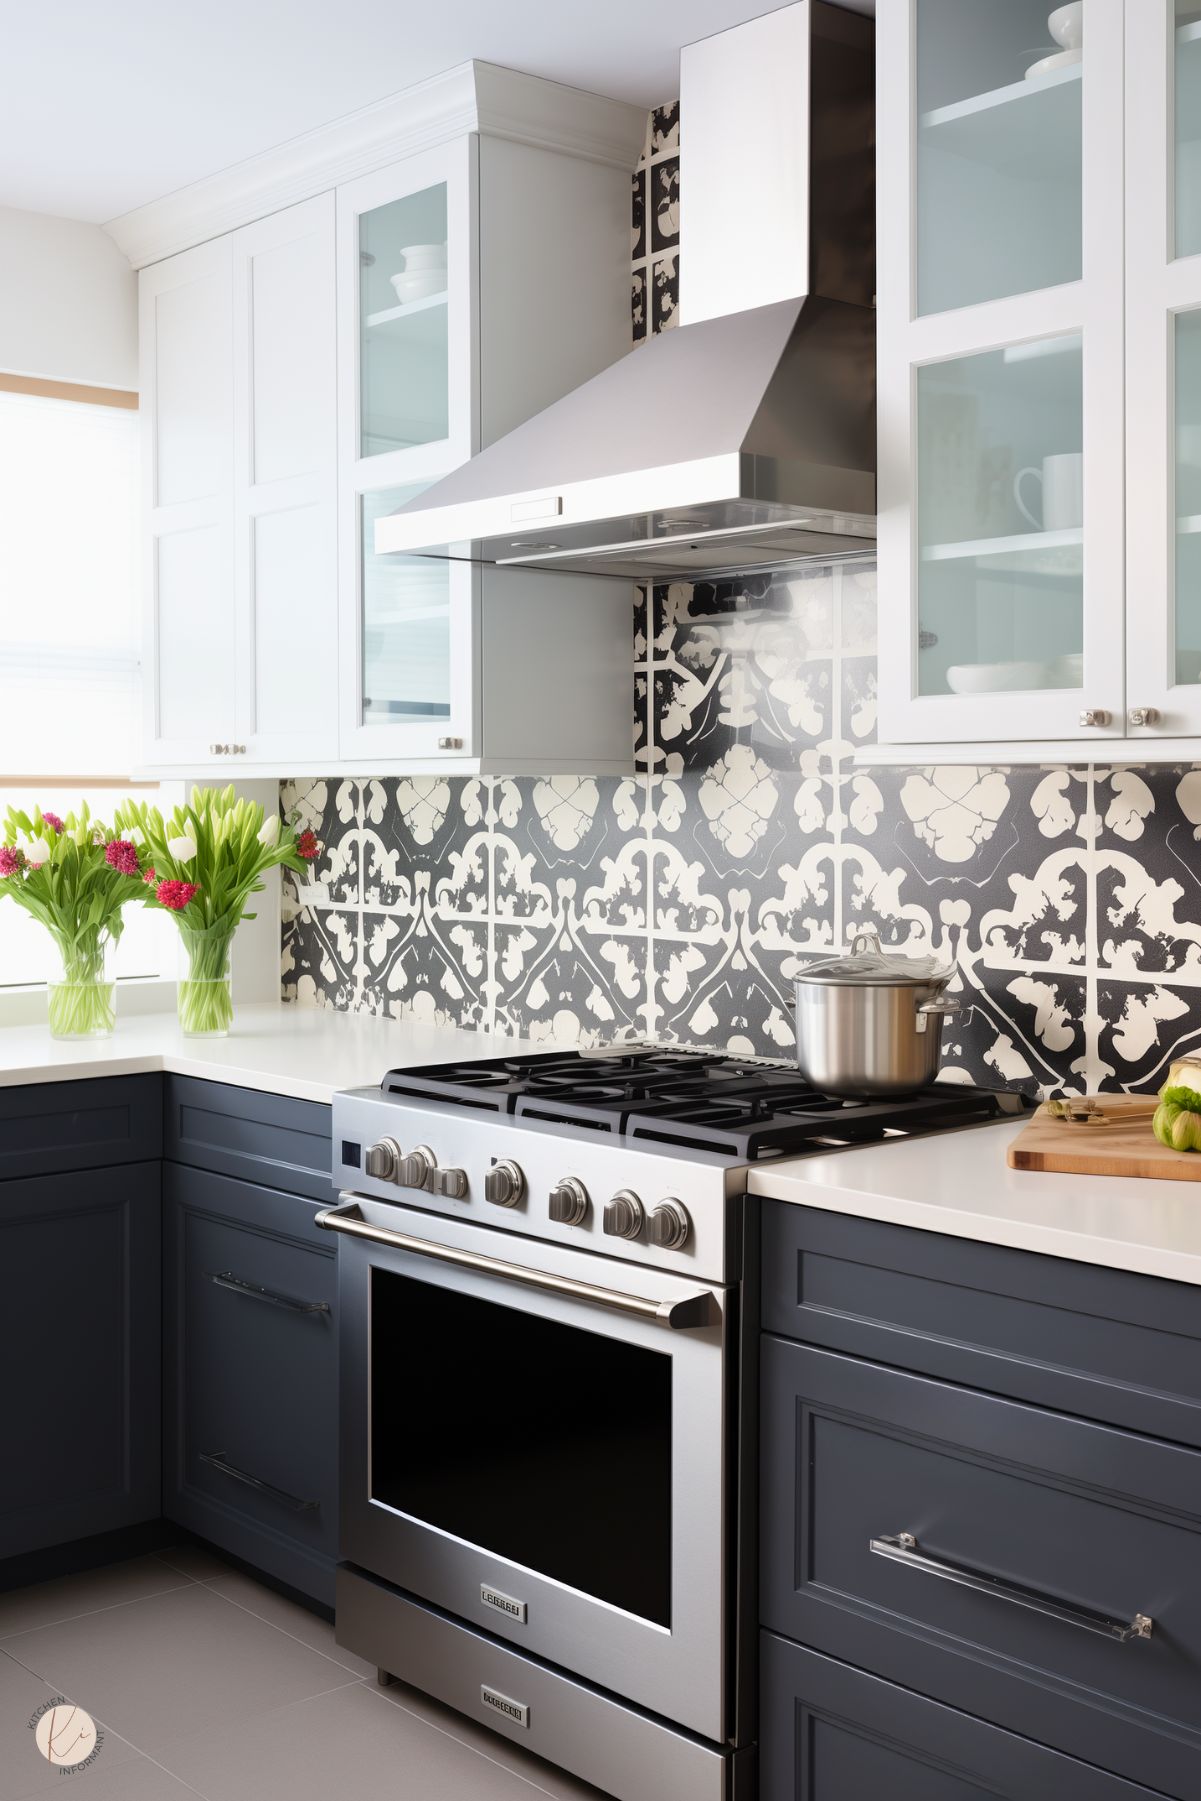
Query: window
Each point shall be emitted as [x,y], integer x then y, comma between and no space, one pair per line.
[68,587]
[148,944]
[69,638]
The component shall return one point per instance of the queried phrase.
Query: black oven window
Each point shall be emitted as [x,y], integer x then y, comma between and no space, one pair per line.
[540,1442]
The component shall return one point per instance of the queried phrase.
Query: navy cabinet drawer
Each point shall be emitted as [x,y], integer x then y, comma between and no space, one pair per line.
[51,1126]
[829,1733]
[251,1375]
[1082,1514]
[265,1138]
[1103,1343]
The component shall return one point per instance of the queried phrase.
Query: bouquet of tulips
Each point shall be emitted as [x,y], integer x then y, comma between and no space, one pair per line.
[202,865]
[73,876]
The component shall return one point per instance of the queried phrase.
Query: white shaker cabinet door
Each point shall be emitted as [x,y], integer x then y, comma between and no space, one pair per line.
[187,400]
[284,487]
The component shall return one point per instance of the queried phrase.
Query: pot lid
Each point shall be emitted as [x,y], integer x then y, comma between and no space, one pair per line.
[866,963]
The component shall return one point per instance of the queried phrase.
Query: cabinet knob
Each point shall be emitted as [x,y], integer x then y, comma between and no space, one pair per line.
[216,750]
[1094,716]
[450,744]
[1143,716]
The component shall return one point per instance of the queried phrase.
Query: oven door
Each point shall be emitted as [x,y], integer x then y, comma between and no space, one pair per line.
[535,1439]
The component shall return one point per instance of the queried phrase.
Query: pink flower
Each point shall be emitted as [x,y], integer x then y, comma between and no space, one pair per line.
[120,854]
[175,895]
[307,846]
[12,860]
[53,821]
[148,876]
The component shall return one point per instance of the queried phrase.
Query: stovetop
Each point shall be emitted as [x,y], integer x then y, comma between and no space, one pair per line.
[691,1100]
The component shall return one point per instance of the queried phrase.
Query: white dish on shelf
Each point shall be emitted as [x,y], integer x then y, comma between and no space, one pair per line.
[1066,671]
[996,678]
[419,284]
[1061,59]
[1066,25]
[423,256]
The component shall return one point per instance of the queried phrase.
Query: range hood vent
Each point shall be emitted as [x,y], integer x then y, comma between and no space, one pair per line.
[742,439]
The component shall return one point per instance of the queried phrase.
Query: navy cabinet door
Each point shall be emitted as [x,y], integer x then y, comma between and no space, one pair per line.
[250,1362]
[79,1352]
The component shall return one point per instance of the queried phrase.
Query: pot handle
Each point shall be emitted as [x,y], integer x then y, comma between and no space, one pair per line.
[935,1009]
[865,942]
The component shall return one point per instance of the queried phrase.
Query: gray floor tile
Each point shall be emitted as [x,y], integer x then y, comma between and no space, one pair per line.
[141,1780]
[288,1617]
[23,1609]
[196,1561]
[175,1664]
[23,1770]
[342,1744]
[535,1770]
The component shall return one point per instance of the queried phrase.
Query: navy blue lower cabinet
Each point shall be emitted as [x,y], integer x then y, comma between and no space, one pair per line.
[1080,1623]
[79,1341]
[830,1733]
[250,1370]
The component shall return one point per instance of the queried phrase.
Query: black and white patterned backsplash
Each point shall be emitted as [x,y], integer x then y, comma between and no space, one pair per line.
[678,903]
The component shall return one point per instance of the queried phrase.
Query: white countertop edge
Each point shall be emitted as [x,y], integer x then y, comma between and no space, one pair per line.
[1146,1226]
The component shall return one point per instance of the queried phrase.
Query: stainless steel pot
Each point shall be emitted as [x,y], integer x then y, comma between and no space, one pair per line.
[868,1024]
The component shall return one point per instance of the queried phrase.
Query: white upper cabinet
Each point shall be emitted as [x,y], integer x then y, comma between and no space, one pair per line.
[322,363]
[285,485]
[1163,369]
[186,333]
[1002,453]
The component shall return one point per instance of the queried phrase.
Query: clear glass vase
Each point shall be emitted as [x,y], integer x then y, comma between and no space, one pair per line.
[81,1002]
[206,1008]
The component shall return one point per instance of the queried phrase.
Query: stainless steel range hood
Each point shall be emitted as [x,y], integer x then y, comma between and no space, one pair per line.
[742,438]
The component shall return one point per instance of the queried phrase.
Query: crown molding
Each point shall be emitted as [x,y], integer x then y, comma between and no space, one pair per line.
[475,96]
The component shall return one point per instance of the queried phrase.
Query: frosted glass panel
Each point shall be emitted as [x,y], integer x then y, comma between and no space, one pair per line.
[1188,497]
[406,626]
[1000,520]
[403,388]
[998,149]
[1188,128]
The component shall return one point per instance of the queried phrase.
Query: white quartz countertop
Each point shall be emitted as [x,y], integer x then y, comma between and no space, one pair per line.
[959,1183]
[305,1052]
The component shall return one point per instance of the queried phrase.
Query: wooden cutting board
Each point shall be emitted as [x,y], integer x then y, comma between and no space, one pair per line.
[1124,1146]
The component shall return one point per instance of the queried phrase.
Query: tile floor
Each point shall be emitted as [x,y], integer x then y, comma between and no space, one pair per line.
[205,1683]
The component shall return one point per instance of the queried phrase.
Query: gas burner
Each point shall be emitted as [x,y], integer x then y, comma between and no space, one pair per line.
[689,1100]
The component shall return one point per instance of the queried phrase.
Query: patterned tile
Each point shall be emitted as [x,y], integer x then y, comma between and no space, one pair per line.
[1141,1027]
[638,321]
[638,215]
[663,203]
[320,957]
[665,292]
[1023,1029]
[665,129]
[1149,872]
[332,811]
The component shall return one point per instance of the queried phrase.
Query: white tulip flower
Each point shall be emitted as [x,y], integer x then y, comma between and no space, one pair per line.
[37,852]
[136,835]
[268,833]
[182,849]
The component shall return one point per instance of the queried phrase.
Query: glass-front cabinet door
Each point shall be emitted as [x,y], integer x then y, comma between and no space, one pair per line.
[1000,330]
[1163,300]
[409,686]
[407,392]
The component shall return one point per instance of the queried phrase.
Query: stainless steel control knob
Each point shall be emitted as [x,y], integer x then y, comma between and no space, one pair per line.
[383,1159]
[449,1182]
[568,1202]
[504,1185]
[625,1215]
[669,1226]
[415,1170]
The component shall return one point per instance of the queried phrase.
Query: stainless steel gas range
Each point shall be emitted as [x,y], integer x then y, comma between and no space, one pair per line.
[548,1328]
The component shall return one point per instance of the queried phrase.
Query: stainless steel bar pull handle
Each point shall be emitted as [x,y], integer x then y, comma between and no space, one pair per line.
[224,1278]
[903,1549]
[694,1310]
[217,1460]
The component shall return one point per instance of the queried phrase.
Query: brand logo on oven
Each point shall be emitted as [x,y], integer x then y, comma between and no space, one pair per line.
[512,1710]
[492,1597]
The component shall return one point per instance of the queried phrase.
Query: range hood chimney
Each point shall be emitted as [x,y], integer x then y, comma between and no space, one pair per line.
[746,436]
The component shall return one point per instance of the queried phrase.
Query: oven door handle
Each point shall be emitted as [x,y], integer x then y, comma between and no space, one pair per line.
[693,1310]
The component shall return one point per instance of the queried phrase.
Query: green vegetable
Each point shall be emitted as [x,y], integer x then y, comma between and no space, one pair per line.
[1177,1121]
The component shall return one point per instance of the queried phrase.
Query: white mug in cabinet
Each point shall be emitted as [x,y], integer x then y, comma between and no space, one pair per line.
[1061,479]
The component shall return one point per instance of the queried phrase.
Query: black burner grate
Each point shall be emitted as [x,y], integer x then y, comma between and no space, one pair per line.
[689,1099]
